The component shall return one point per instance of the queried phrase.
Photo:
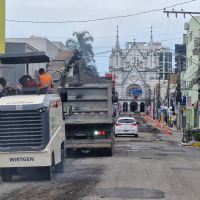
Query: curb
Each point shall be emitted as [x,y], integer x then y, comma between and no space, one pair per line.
[188,145]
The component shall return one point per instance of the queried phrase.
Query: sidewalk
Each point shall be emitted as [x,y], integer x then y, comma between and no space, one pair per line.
[170,134]
[167,133]
[176,135]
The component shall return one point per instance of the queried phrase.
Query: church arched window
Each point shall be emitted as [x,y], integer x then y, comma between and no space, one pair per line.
[125,107]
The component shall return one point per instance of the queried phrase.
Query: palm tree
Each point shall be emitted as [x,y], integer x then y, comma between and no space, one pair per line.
[92,69]
[82,41]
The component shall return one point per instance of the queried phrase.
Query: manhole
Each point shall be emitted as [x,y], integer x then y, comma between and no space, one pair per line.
[146,158]
[150,158]
[143,193]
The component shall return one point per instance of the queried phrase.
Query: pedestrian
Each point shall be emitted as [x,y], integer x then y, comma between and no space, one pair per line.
[45,79]
[173,119]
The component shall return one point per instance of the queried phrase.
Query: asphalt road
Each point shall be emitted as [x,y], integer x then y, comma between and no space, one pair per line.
[147,167]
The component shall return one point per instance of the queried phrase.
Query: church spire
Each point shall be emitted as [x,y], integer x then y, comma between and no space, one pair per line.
[151,38]
[117,46]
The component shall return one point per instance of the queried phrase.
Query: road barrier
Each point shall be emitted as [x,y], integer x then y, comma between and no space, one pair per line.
[160,125]
[168,131]
[156,123]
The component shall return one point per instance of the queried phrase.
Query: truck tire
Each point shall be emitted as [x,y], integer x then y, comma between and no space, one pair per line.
[59,168]
[47,173]
[108,152]
[6,175]
[69,153]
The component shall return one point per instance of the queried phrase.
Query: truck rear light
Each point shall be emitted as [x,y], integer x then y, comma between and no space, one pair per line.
[100,132]
[134,124]
[117,124]
[96,132]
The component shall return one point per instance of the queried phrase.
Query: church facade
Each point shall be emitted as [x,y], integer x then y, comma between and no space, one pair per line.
[137,70]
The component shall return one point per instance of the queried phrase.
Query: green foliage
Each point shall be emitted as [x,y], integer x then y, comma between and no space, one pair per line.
[196,135]
[82,41]
[92,69]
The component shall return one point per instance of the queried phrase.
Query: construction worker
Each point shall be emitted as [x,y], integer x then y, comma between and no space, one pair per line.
[45,79]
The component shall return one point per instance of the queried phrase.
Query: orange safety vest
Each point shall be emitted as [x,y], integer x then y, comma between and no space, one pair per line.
[45,80]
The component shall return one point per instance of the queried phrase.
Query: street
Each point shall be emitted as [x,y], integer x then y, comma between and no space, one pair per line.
[147,167]
[99,100]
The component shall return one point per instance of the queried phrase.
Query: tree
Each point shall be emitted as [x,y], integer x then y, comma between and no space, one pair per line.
[82,41]
[92,69]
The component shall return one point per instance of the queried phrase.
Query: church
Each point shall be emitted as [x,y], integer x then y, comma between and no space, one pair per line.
[137,70]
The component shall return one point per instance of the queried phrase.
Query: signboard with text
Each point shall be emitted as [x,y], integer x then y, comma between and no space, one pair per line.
[189,101]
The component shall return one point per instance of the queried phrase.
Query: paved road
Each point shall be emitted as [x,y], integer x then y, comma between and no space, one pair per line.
[147,167]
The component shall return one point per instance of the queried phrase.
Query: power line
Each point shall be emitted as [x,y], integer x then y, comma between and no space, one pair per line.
[97,19]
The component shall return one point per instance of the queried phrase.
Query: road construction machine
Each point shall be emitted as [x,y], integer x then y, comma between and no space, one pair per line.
[32,131]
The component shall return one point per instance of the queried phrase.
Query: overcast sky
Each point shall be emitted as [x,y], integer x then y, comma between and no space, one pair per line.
[166,30]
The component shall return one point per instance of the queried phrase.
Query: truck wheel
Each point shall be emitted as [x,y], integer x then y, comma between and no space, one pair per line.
[59,168]
[6,175]
[108,152]
[69,153]
[47,173]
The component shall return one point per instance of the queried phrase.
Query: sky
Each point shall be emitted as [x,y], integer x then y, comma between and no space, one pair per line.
[166,30]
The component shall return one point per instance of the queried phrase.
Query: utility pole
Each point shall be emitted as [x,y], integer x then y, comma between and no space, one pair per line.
[179,99]
[158,103]
[180,12]
[168,93]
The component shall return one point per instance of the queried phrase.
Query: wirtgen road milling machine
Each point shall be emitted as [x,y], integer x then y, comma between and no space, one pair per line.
[31,126]
[88,109]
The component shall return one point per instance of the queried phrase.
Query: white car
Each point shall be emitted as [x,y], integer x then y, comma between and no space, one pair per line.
[126,126]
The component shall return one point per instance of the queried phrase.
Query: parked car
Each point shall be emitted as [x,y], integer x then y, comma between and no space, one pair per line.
[126,126]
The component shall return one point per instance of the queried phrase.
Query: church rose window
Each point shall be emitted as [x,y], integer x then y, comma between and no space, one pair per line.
[134,90]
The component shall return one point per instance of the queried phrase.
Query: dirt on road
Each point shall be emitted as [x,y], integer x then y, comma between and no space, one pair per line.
[75,183]
[58,191]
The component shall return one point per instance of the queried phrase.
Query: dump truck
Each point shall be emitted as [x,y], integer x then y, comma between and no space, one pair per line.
[89,124]
[87,107]
[32,131]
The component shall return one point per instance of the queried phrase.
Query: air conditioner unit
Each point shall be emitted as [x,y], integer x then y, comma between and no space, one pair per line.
[186,26]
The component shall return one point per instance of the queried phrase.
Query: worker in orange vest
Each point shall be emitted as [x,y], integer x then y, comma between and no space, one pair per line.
[45,79]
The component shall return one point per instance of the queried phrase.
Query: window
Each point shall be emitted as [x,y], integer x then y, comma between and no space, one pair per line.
[191,36]
[151,78]
[125,107]
[190,63]
[126,121]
